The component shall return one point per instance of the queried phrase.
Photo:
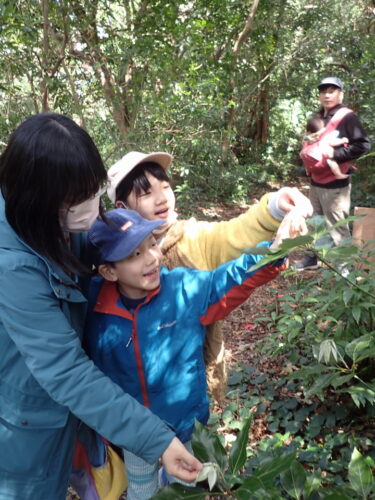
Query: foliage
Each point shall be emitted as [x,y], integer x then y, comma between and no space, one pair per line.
[224,87]
[278,473]
[330,320]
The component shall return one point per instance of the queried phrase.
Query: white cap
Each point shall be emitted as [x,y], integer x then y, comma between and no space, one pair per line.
[123,167]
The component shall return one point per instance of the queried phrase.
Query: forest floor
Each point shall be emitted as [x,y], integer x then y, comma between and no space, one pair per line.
[243,335]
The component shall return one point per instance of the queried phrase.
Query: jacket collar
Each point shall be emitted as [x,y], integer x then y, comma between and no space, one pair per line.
[109,300]
[331,112]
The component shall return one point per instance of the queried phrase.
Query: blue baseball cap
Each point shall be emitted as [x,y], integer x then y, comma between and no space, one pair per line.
[118,236]
[331,80]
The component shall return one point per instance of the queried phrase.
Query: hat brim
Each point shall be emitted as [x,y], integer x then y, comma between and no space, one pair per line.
[324,85]
[162,159]
[118,253]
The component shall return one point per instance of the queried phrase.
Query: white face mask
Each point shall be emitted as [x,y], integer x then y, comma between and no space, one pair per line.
[80,218]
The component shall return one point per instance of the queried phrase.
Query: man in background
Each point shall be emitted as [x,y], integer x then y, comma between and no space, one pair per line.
[331,196]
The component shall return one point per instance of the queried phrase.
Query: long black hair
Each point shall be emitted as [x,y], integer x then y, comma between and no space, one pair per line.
[137,180]
[49,162]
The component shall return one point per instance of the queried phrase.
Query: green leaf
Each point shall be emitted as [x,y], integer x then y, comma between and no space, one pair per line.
[284,249]
[271,468]
[235,378]
[338,494]
[302,414]
[361,393]
[344,251]
[320,384]
[298,241]
[259,251]
[293,427]
[237,456]
[361,348]
[360,474]
[207,446]
[342,379]
[356,313]
[293,480]
[312,484]
[347,295]
[249,486]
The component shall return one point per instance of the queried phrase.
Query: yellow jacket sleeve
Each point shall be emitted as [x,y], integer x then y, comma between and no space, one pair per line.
[206,245]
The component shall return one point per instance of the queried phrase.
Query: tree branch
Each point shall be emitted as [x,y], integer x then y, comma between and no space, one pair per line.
[247,29]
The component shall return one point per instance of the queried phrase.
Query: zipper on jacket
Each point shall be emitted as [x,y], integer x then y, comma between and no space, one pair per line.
[138,358]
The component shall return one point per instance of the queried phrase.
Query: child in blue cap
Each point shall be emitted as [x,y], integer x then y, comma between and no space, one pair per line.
[146,324]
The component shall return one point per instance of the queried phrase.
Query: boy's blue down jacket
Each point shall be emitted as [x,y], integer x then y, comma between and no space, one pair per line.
[156,354]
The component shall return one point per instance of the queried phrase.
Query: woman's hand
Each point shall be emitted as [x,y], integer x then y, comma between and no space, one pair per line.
[180,463]
[292,199]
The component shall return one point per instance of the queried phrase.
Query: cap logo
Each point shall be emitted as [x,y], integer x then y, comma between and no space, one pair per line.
[126,226]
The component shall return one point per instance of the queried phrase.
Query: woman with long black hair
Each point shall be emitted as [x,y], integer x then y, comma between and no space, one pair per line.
[51,175]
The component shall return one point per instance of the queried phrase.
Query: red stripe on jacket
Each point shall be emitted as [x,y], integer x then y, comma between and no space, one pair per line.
[239,293]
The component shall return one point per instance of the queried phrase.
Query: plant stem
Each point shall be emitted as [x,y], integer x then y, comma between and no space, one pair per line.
[336,271]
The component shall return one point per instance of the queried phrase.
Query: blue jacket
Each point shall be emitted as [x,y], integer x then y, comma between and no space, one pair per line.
[47,380]
[156,354]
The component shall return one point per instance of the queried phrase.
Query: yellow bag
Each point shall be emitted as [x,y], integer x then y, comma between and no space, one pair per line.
[110,479]
[98,472]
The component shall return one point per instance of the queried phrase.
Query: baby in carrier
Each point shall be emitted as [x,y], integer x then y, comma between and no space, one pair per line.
[316,144]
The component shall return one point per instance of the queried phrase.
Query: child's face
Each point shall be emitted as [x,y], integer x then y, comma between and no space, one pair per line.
[139,273]
[157,203]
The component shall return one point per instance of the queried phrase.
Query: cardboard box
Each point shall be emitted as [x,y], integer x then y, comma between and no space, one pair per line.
[364,228]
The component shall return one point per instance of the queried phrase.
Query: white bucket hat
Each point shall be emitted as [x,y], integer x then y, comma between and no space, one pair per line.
[127,163]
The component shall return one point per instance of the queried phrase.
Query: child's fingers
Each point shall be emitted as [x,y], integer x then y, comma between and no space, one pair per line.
[291,199]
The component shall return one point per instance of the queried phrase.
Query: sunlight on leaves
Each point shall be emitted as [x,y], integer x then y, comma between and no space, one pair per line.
[327,350]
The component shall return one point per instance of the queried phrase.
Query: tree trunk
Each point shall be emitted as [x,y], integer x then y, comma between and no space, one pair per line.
[231,113]
[115,97]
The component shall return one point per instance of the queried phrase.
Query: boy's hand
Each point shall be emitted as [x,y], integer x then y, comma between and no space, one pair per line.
[291,199]
[293,224]
[180,463]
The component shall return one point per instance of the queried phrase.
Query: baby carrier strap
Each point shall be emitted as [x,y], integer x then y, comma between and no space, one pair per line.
[335,120]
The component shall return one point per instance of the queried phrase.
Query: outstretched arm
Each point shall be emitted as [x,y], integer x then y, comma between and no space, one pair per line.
[206,245]
[232,283]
